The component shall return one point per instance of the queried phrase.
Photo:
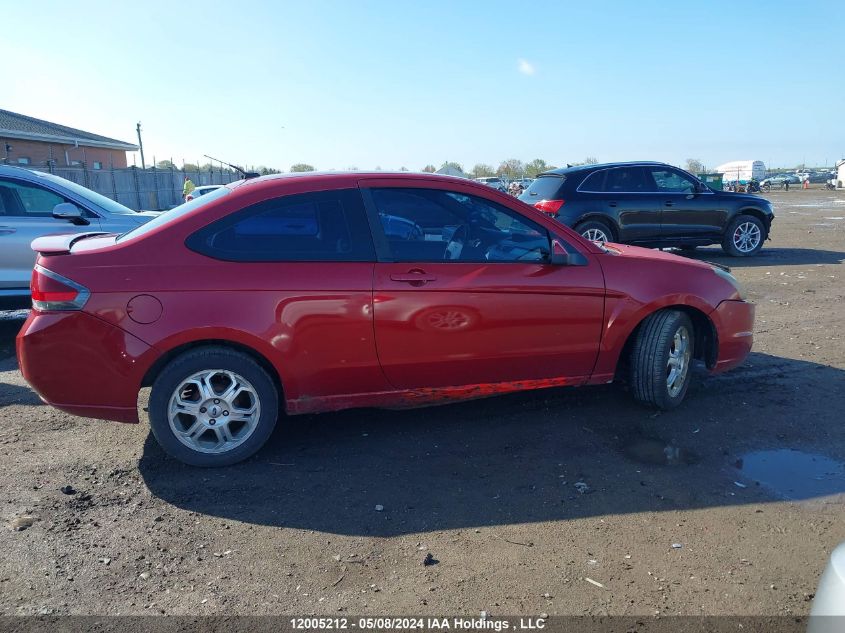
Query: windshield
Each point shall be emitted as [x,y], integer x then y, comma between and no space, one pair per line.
[175,213]
[100,200]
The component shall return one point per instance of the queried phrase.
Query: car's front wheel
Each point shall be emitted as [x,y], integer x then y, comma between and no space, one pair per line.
[213,406]
[744,237]
[661,358]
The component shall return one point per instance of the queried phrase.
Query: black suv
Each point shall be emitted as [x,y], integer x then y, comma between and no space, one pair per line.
[651,204]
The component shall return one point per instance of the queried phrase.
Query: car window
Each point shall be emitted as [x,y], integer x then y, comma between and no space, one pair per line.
[426,225]
[626,180]
[308,227]
[28,201]
[594,182]
[671,181]
[87,194]
[544,188]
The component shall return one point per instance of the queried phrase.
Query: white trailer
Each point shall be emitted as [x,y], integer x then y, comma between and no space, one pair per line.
[742,171]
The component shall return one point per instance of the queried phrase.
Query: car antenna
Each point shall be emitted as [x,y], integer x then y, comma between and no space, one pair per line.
[245,174]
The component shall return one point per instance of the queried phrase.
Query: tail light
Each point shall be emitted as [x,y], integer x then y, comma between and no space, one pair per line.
[50,291]
[549,206]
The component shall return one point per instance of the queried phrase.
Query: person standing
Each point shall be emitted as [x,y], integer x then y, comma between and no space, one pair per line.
[786,184]
[187,188]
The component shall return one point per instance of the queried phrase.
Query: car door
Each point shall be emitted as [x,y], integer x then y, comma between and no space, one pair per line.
[624,194]
[689,209]
[26,212]
[464,293]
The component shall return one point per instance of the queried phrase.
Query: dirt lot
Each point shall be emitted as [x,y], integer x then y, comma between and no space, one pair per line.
[488,488]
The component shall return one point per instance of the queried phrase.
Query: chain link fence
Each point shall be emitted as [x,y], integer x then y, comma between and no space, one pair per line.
[150,189]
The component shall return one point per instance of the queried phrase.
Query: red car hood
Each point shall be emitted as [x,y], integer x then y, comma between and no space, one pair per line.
[637,252]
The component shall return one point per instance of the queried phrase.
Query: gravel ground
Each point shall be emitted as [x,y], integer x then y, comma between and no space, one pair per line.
[491,489]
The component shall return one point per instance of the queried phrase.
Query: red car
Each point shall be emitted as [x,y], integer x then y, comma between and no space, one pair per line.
[304,293]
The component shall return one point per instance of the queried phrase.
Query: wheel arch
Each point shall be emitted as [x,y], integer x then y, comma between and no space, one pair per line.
[757,213]
[597,216]
[162,361]
[705,342]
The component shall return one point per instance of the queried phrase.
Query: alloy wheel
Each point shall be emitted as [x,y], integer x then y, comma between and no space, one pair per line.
[677,367]
[214,411]
[747,237]
[596,235]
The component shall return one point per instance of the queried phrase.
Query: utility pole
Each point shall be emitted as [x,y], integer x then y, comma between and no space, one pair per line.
[141,145]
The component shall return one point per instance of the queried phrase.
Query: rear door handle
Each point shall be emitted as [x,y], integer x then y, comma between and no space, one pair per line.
[7,230]
[669,203]
[611,204]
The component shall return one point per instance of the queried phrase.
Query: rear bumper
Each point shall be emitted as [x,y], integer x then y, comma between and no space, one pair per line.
[734,321]
[83,365]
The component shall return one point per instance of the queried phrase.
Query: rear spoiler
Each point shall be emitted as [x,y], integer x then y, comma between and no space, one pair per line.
[60,244]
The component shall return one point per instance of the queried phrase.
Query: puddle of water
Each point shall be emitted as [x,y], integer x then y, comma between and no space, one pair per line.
[794,474]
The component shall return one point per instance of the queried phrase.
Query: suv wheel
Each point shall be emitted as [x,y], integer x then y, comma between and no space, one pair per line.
[595,231]
[213,407]
[661,359]
[744,237]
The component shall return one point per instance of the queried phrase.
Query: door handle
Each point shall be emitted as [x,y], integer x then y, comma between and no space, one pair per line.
[413,277]
[611,204]
[669,203]
[7,230]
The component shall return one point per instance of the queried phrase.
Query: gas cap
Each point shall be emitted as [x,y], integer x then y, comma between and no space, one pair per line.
[144,309]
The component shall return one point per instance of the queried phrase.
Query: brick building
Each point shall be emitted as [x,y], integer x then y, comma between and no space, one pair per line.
[27,141]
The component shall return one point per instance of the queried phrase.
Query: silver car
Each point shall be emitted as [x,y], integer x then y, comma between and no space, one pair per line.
[33,204]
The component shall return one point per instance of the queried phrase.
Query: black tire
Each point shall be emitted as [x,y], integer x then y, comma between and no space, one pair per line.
[732,243]
[584,228]
[650,356]
[222,359]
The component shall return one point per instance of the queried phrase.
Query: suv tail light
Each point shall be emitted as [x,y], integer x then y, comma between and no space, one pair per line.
[549,206]
[50,291]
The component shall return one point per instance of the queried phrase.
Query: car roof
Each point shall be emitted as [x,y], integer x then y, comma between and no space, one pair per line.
[579,168]
[18,172]
[341,179]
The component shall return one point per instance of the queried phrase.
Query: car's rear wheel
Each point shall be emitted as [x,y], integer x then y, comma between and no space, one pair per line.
[595,231]
[744,237]
[661,359]
[213,406]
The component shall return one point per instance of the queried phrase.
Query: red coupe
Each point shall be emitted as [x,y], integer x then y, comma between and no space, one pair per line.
[316,292]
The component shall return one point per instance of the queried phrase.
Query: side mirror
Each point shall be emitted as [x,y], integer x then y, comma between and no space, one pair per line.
[560,257]
[70,212]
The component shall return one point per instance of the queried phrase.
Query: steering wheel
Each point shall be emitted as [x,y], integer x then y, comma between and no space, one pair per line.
[456,243]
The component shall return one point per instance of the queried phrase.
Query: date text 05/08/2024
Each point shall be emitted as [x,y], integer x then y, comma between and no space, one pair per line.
[417,624]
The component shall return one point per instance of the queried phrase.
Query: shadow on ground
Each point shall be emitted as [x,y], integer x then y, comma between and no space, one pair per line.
[516,458]
[768,257]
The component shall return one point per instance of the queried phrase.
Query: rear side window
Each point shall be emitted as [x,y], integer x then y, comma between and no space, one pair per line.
[618,180]
[310,227]
[544,188]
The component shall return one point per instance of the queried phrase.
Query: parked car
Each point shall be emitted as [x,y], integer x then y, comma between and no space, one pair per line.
[651,204]
[300,293]
[779,180]
[32,204]
[494,181]
[201,190]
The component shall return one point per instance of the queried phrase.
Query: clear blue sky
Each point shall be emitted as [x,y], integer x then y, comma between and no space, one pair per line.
[391,84]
